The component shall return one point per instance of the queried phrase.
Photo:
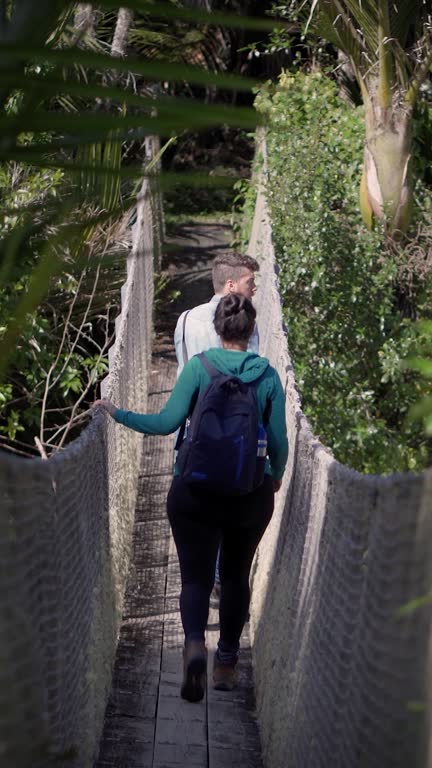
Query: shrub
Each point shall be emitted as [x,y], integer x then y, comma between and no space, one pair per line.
[339,282]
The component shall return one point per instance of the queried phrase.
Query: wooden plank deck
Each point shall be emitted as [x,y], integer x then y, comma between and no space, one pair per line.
[147,724]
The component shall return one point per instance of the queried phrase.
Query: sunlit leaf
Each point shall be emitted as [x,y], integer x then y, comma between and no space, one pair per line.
[420,364]
[422,409]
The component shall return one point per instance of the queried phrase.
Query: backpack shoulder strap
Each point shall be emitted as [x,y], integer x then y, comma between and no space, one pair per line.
[211,370]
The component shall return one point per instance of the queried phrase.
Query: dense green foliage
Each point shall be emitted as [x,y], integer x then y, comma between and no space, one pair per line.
[62,349]
[348,301]
[74,120]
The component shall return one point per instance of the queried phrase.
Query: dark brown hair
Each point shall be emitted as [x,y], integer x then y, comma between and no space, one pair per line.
[234,318]
[231,266]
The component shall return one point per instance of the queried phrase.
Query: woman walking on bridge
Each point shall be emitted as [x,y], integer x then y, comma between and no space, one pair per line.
[227,471]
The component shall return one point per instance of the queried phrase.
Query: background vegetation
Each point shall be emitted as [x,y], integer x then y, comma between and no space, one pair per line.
[351,297]
[78,99]
[82,87]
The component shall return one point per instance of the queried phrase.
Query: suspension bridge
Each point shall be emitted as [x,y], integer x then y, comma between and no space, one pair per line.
[335,661]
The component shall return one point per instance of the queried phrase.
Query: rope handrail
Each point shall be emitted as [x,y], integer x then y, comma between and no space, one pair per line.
[65,537]
[341,671]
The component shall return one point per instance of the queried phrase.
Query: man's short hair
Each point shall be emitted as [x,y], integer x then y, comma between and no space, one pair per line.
[231,266]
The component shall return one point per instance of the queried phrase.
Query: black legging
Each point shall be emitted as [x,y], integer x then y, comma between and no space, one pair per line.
[201,522]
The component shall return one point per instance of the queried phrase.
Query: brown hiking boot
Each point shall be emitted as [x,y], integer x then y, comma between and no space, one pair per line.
[195,670]
[225,677]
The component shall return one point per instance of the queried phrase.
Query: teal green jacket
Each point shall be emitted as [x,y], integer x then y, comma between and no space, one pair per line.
[248,367]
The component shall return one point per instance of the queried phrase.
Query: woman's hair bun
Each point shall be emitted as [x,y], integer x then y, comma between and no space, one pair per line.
[233,304]
[235,317]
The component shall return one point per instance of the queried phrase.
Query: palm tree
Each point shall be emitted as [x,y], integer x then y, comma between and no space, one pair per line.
[121,33]
[389,46]
[84,21]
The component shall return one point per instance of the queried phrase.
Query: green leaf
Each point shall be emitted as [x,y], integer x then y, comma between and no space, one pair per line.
[420,364]
[425,327]
[13,425]
[171,118]
[414,605]
[421,410]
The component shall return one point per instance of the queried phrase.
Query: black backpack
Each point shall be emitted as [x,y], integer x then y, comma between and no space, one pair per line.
[225,447]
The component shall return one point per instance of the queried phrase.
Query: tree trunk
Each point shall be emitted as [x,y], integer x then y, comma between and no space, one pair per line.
[121,33]
[84,21]
[386,187]
[345,77]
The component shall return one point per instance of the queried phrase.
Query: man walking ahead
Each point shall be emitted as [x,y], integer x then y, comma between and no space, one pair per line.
[195,332]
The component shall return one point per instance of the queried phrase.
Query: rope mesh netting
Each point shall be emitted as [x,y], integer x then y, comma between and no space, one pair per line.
[342,679]
[66,526]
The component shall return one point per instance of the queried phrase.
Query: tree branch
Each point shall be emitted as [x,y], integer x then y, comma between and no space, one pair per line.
[84,23]
[48,384]
[121,32]
[74,419]
[40,448]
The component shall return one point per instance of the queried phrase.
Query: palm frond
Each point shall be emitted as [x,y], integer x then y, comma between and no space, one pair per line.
[339,29]
[361,24]
[406,16]
[166,10]
[54,123]
[170,118]
[152,71]
[375,35]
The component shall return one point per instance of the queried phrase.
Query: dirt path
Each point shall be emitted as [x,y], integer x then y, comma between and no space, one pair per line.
[188,258]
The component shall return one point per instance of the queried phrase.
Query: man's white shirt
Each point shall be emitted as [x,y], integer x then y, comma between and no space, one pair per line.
[200,333]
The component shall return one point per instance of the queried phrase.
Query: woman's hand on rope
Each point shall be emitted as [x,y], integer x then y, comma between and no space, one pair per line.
[276,485]
[107,404]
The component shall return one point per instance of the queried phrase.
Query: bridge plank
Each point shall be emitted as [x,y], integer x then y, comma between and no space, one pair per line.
[233,737]
[181,731]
